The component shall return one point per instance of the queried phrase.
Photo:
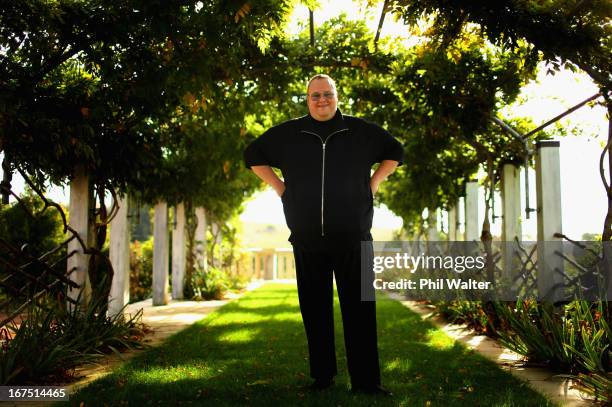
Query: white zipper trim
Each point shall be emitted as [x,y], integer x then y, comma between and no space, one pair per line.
[323,143]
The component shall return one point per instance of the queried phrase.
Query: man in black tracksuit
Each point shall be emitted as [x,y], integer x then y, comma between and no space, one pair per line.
[327,193]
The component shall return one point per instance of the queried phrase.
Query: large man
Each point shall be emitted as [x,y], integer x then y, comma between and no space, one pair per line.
[326,159]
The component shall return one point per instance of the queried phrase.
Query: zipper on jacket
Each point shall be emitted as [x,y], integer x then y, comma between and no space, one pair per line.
[323,143]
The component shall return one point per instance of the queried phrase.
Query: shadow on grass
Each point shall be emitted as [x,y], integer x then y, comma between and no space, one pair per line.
[253,352]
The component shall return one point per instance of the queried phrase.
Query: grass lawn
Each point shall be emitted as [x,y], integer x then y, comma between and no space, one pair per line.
[253,352]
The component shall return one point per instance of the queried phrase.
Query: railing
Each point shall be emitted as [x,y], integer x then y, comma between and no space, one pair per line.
[27,278]
[32,274]
[585,272]
[566,270]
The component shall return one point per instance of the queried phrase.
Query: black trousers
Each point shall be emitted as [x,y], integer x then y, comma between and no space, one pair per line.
[314,271]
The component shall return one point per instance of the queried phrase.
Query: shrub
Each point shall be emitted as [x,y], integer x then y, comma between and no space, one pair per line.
[577,338]
[239,273]
[34,236]
[598,385]
[535,331]
[210,285]
[470,313]
[37,349]
[49,343]
[41,233]
[141,270]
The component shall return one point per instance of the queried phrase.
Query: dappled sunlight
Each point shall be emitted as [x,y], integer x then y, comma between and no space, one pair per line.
[476,340]
[397,365]
[242,317]
[254,352]
[186,318]
[173,374]
[287,316]
[439,339]
[240,336]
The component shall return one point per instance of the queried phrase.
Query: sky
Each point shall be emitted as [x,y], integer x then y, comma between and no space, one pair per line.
[583,196]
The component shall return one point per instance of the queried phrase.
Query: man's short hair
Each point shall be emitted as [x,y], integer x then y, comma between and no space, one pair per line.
[322,76]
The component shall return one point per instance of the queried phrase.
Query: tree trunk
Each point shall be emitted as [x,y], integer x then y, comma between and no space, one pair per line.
[98,267]
[607,229]
[200,248]
[6,179]
[606,236]
[485,237]
[190,260]
[217,238]
[311,24]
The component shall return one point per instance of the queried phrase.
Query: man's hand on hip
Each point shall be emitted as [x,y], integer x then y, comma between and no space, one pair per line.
[269,177]
[374,184]
[384,169]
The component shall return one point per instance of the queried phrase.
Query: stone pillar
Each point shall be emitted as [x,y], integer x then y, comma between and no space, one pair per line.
[452,224]
[178,252]
[160,254]
[548,191]
[511,221]
[78,263]
[460,218]
[432,226]
[471,212]
[119,252]
[268,263]
[511,203]
[201,246]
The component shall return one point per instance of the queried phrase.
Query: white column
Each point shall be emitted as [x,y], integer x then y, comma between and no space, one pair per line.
[200,239]
[160,254]
[511,221]
[119,252]
[452,224]
[432,226]
[78,263]
[178,252]
[268,271]
[471,212]
[460,205]
[548,190]
[511,203]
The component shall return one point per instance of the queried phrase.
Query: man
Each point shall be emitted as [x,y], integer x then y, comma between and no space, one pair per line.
[327,193]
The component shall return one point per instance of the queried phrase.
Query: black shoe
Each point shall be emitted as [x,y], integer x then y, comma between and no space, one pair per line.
[321,384]
[372,390]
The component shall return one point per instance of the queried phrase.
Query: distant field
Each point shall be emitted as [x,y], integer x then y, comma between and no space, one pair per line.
[275,236]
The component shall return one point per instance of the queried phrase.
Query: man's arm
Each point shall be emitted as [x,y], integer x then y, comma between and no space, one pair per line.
[385,169]
[269,177]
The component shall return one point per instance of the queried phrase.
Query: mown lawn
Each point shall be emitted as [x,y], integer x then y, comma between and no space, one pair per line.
[253,352]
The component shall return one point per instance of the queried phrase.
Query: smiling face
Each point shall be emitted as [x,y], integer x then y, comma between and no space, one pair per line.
[324,108]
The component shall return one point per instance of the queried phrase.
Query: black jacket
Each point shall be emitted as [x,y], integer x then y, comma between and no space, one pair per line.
[327,200]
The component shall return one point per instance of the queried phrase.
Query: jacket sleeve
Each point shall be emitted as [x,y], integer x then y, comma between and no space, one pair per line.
[385,146]
[264,150]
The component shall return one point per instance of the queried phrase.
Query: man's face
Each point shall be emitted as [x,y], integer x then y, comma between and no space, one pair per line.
[322,108]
